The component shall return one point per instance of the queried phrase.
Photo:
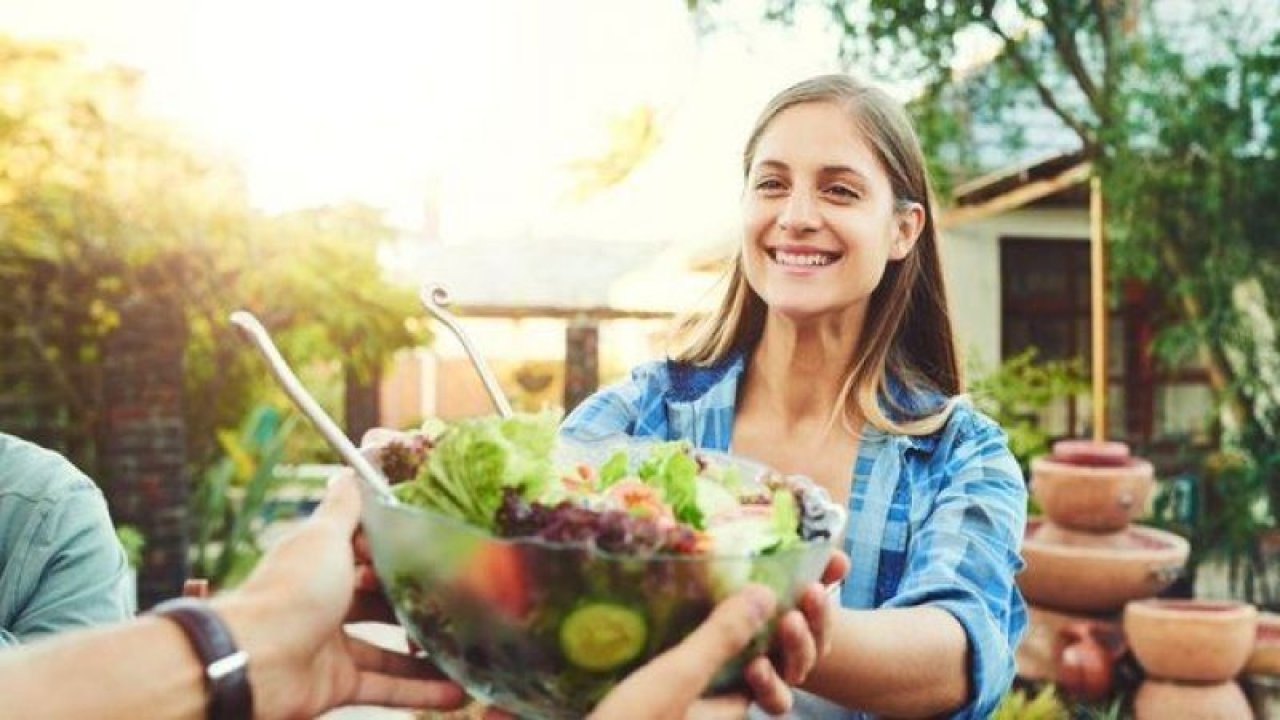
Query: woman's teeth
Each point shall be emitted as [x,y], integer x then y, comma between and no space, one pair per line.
[802,259]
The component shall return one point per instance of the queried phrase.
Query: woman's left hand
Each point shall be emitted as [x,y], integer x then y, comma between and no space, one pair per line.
[802,639]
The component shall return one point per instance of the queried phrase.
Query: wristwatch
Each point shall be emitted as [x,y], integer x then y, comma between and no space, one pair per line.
[226,667]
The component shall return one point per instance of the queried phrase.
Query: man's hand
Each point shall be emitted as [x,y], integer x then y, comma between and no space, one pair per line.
[289,614]
[668,687]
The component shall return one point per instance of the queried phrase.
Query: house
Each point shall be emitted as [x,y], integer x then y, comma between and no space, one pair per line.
[1016,247]
[541,314]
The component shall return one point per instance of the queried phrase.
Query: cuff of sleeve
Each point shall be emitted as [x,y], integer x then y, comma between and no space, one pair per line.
[990,653]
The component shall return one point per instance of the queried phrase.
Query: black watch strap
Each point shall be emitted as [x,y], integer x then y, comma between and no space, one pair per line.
[226,668]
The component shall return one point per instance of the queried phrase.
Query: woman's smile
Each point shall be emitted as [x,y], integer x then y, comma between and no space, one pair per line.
[803,257]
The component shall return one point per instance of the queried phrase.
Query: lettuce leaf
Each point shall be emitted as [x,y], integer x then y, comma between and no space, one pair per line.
[613,469]
[785,519]
[671,468]
[474,460]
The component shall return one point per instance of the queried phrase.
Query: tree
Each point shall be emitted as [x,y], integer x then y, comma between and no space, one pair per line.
[99,202]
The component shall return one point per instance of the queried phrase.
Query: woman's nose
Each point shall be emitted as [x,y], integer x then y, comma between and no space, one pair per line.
[799,214]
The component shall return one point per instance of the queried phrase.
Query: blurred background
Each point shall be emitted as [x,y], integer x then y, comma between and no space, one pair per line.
[570,171]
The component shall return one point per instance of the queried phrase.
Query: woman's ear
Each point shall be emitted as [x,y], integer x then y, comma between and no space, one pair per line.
[910,223]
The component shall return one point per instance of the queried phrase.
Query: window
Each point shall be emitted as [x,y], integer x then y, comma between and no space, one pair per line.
[1045,305]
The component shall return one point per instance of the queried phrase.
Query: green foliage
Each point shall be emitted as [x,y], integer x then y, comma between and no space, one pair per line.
[99,204]
[1016,392]
[229,497]
[133,542]
[1227,518]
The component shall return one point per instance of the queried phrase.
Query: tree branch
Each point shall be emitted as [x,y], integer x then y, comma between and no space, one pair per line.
[1024,68]
[1063,34]
[1108,49]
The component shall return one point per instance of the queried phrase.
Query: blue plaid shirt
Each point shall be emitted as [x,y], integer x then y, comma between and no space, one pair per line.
[933,520]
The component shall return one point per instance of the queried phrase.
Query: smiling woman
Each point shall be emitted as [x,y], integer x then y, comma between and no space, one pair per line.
[796,269]
[831,356]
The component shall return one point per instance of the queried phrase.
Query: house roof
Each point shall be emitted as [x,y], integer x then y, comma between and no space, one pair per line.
[993,185]
[517,279]
[1055,181]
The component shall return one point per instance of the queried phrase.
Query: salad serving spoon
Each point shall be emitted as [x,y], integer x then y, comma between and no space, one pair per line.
[293,387]
[434,298]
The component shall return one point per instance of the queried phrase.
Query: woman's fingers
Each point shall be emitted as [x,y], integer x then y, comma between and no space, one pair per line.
[799,651]
[816,608]
[837,567]
[770,692]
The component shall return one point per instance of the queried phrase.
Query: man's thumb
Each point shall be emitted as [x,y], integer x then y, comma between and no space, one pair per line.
[731,627]
[341,500]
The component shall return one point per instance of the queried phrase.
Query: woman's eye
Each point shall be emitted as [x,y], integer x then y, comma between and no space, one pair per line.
[770,185]
[844,192]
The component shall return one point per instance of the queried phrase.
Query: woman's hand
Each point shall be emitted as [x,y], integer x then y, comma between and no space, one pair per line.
[289,614]
[802,639]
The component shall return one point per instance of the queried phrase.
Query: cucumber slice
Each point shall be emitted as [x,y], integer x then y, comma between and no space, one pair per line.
[601,636]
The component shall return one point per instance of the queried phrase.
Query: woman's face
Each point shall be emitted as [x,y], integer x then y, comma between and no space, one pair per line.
[819,215]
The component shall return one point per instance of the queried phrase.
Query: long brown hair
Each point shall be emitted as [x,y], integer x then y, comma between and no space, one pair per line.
[907,335]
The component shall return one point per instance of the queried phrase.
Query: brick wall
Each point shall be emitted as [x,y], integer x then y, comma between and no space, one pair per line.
[142,446]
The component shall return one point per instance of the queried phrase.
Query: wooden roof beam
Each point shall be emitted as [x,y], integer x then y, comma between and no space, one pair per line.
[1018,197]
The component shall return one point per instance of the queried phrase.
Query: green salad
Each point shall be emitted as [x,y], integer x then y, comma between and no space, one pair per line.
[581,561]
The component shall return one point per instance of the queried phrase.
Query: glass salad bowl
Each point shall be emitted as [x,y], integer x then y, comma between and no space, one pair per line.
[545,628]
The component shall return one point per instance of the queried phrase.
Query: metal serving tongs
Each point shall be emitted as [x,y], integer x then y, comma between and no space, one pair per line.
[434,298]
[371,476]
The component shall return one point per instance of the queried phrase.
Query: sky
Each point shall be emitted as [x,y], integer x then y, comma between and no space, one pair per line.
[473,108]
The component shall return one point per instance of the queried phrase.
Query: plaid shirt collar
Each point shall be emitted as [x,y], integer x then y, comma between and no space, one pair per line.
[695,392]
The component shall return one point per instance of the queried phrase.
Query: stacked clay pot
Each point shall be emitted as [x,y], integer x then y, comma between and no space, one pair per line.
[1263,667]
[1191,651]
[1085,559]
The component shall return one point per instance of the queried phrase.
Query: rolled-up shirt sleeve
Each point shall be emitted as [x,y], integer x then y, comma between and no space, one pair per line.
[965,553]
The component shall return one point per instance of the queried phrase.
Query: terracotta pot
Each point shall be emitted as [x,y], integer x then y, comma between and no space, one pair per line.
[1086,662]
[1094,453]
[1078,572]
[1098,499]
[1265,658]
[1039,651]
[1157,700]
[1051,533]
[1191,640]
